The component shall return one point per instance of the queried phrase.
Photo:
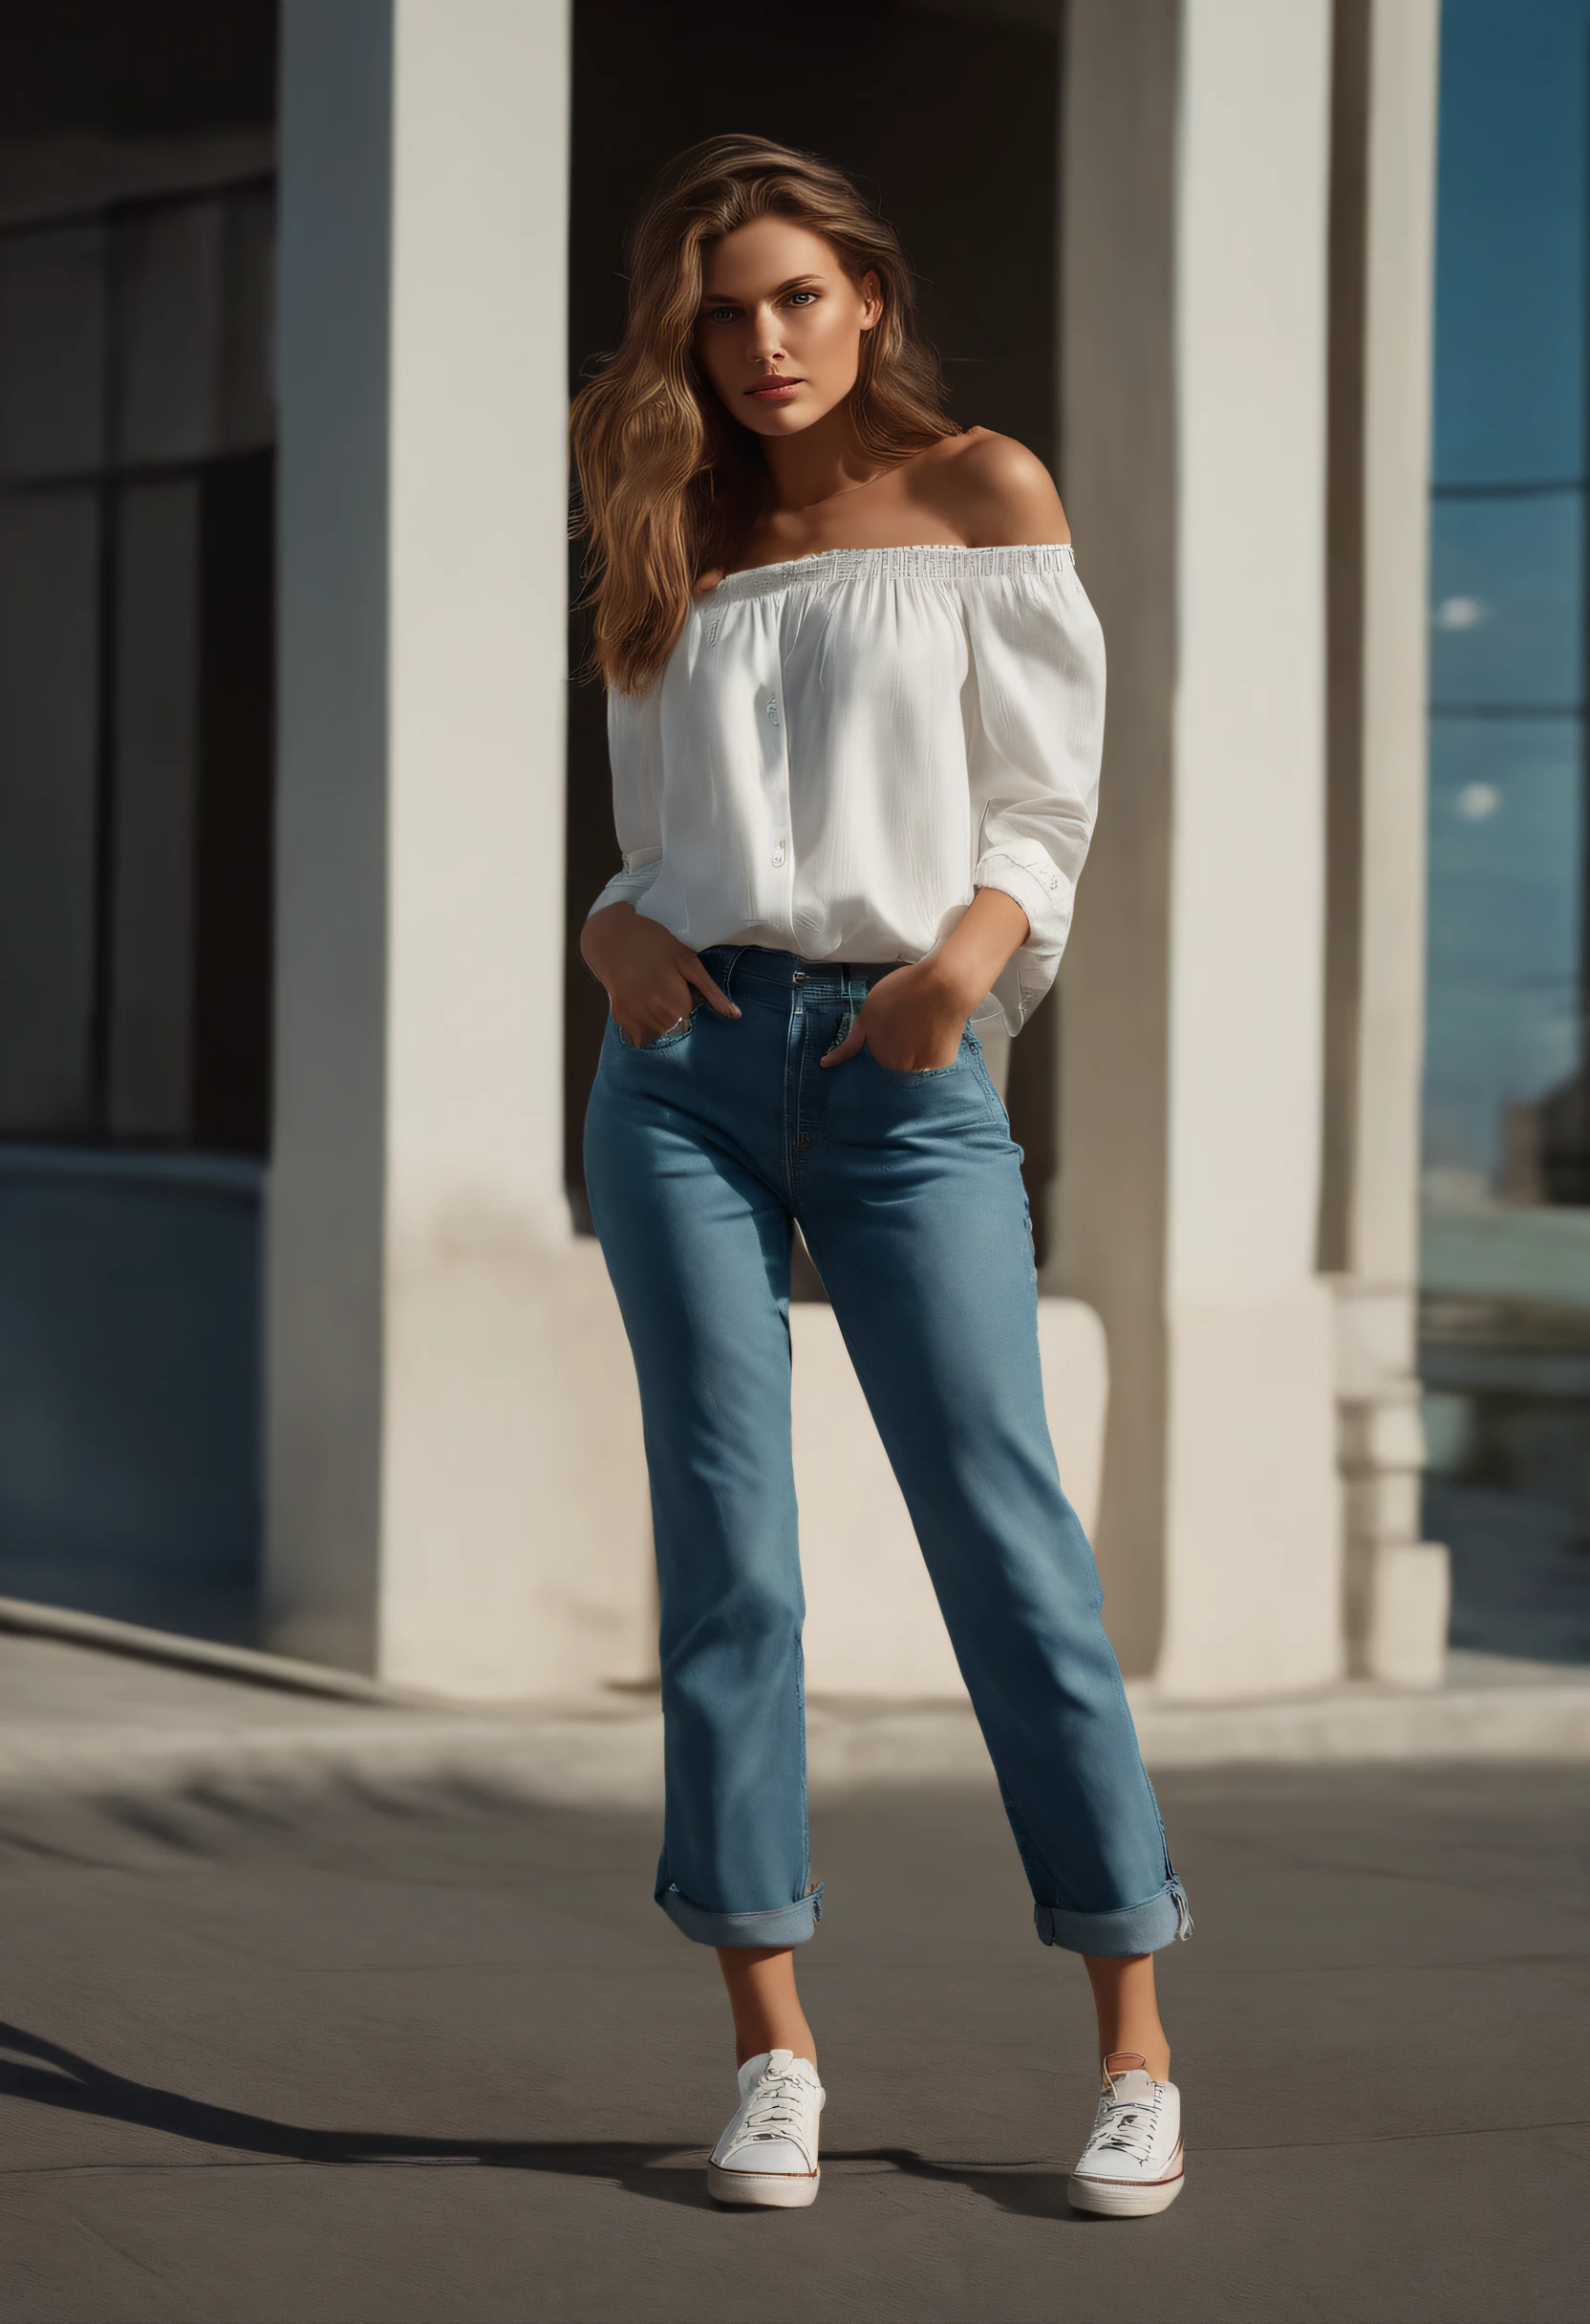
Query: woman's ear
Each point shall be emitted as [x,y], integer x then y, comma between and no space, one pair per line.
[871,300]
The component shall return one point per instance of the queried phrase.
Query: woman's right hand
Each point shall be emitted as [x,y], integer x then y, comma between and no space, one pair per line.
[648,973]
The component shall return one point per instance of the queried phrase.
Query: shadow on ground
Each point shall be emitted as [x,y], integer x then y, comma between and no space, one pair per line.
[46,2075]
[401,2055]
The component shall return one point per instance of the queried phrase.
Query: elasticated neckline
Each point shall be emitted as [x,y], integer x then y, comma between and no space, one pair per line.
[940,564]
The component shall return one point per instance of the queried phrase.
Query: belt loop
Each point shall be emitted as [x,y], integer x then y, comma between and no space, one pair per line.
[726,980]
[854,987]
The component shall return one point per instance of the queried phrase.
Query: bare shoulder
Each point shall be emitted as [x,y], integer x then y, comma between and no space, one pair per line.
[992,490]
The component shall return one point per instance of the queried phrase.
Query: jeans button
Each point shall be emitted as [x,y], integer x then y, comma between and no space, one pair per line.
[799,978]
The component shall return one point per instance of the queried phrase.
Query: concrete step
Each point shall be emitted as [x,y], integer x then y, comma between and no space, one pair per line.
[104,1708]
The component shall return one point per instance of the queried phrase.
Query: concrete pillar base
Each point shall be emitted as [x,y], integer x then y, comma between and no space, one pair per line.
[1397,1588]
[1409,1604]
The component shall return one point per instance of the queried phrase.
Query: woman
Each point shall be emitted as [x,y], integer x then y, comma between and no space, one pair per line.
[855,704]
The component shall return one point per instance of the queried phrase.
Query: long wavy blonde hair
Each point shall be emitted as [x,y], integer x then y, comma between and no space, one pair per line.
[669,485]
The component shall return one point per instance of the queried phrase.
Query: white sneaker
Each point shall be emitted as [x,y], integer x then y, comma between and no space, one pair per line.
[768,2153]
[1132,2163]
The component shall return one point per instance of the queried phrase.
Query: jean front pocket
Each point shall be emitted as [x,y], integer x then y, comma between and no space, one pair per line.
[910,1079]
[668,1039]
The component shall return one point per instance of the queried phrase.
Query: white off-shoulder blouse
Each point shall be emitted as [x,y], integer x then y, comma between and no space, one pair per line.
[843,747]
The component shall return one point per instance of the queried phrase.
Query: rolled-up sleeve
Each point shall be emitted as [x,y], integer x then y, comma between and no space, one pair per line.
[1034,734]
[634,747]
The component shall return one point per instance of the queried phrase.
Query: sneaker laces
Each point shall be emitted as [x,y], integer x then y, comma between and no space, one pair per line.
[1124,2127]
[775,2108]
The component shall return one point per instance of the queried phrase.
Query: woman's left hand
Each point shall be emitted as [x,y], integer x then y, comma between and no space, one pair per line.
[914,1020]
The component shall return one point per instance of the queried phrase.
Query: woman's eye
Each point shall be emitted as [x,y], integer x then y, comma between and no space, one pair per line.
[799,298]
[719,314]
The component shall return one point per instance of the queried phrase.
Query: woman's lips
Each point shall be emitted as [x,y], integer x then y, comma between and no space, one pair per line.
[774,390]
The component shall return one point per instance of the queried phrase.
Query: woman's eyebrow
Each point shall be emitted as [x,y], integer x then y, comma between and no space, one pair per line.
[796,282]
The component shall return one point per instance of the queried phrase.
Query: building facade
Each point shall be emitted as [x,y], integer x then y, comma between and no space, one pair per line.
[308,1340]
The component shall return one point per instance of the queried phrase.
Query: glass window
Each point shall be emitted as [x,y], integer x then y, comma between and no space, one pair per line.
[1506,892]
[135,672]
[1507,610]
[1506,1245]
[1510,250]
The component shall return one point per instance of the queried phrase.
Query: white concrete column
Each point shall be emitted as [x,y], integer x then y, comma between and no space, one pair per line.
[1388,74]
[1251,1545]
[1118,479]
[455,1490]
[1194,470]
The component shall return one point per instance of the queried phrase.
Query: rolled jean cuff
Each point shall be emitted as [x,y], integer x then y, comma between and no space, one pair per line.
[1135,1928]
[782,1924]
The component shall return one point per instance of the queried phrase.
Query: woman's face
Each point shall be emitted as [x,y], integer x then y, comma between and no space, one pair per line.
[780,325]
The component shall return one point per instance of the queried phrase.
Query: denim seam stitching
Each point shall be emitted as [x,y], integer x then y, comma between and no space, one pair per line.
[726,980]
[1170,1890]
[794,1053]
[1032,1856]
[670,1040]
[912,1075]
[997,1112]
[805,1804]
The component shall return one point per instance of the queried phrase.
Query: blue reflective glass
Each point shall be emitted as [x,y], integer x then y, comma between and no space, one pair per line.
[1506,879]
[1505,602]
[1511,249]
[1507,1082]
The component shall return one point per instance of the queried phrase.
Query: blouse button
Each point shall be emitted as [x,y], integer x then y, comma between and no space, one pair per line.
[778,853]
[772,711]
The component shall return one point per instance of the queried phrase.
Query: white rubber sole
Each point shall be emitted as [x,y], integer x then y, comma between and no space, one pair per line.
[763,2190]
[1126,2198]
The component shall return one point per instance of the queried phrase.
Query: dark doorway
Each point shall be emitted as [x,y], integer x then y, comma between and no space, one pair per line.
[952,114]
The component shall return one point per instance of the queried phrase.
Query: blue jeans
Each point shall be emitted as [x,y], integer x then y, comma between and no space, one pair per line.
[700,1148]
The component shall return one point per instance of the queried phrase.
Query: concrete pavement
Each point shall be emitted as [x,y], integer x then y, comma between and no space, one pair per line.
[409,2051]
[88,1705]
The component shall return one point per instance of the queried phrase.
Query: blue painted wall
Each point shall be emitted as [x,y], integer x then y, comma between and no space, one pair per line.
[130,1386]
